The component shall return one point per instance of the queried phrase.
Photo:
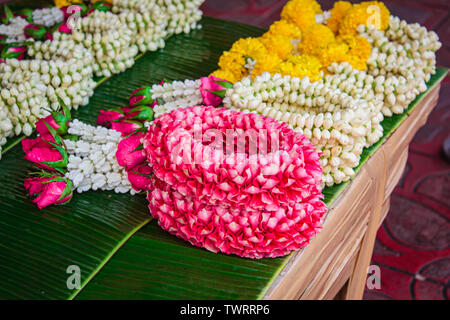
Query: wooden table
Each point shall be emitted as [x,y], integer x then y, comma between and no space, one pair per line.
[335,263]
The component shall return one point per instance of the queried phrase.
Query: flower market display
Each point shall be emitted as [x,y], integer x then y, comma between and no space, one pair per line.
[234,162]
[333,76]
[54,53]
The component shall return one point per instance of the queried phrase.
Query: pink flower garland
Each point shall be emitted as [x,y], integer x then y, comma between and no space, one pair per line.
[250,204]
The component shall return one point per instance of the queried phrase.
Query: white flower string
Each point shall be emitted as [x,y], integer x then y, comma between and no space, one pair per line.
[176,94]
[92,159]
[106,43]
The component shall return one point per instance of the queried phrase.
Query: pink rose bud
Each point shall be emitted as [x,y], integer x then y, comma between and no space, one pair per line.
[14,52]
[143,113]
[46,154]
[49,190]
[107,116]
[58,120]
[126,127]
[213,90]
[141,97]
[130,151]
[140,176]
[65,28]
[34,31]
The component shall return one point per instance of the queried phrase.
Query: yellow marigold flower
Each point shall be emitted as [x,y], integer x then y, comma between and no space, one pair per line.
[266,63]
[284,28]
[334,52]
[249,47]
[279,44]
[300,66]
[65,3]
[338,12]
[359,51]
[302,13]
[315,39]
[225,74]
[233,62]
[366,13]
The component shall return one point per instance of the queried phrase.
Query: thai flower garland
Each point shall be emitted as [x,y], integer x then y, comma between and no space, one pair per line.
[62,60]
[254,205]
[92,157]
[334,82]
[262,199]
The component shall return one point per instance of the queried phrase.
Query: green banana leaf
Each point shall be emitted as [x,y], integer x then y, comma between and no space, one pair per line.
[120,251]
[156,265]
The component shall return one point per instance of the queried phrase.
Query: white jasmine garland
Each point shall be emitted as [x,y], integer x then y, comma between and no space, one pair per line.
[402,61]
[48,17]
[176,94]
[337,123]
[92,159]
[14,30]
[105,43]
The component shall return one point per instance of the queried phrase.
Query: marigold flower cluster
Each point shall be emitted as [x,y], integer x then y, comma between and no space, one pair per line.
[304,30]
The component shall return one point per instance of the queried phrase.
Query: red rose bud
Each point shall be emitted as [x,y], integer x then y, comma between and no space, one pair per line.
[102,6]
[49,190]
[34,31]
[141,97]
[49,36]
[14,51]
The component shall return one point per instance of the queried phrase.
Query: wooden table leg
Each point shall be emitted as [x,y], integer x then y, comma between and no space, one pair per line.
[357,281]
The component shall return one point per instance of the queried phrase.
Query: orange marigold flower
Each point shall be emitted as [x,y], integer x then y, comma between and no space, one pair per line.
[249,47]
[366,13]
[279,44]
[300,66]
[225,74]
[65,3]
[233,62]
[334,52]
[315,39]
[359,51]
[266,63]
[300,12]
[285,28]
[338,12]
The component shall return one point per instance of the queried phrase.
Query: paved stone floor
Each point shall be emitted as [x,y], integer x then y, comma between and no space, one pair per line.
[412,247]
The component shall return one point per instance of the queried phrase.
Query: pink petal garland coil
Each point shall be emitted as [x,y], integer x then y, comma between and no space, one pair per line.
[215,190]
